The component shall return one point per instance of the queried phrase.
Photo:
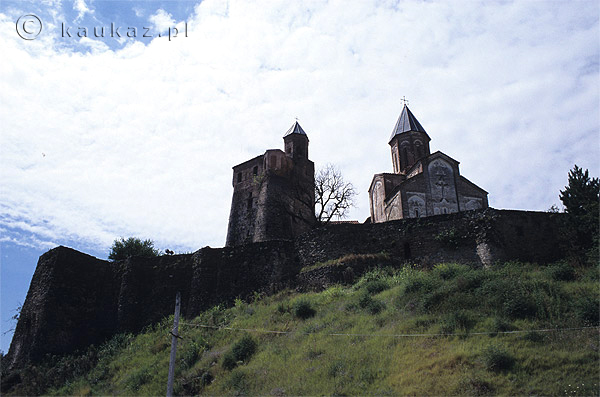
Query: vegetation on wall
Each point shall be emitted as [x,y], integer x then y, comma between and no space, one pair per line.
[124,248]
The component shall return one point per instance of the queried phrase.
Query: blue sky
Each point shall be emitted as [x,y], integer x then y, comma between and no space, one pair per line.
[109,137]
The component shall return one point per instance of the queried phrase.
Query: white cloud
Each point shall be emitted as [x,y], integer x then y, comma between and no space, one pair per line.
[93,45]
[82,8]
[161,20]
[141,141]
[139,12]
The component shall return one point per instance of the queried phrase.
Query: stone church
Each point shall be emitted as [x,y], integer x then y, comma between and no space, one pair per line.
[422,184]
[274,193]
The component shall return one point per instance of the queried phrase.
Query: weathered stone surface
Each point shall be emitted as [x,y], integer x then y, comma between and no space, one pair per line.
[148,287]
[273,194]
[75,300]
[71,303]
[222,274]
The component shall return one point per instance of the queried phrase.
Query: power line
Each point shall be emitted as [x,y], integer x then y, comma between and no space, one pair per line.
[388,335]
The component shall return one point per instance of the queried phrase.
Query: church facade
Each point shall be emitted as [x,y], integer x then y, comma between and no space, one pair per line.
[423,183]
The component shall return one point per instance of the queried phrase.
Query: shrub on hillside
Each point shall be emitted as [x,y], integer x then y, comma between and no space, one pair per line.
[191,353]
[238,382]
[432,300]
[419,282]
[138,378]
[470,280]
[283,307]
[501,325]
[460,319]
[561,272]
[534,336]
[377,276]
[588,311]
[303,309]
[496,358]
[377,286]
[242,350]
[229,361]
[513,296]
[447,271]
[518,304]
[373,306]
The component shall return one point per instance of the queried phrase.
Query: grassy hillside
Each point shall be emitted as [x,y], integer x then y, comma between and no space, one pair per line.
[516,329]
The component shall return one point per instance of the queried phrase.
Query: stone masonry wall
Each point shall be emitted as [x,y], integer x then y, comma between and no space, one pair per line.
[75,300]
[71,303]
[459,237]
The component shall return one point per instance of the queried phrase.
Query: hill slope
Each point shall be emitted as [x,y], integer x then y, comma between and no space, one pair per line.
[514,329]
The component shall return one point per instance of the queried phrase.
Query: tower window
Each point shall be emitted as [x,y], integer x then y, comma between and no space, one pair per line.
[249,202]
[255,170]
[403,158]
[239,177]
[416,212]
[419,149]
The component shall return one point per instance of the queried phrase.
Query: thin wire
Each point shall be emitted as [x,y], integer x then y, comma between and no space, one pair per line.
[388,335]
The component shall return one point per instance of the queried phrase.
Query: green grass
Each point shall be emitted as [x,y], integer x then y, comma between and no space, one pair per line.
[349,259]
[356,343]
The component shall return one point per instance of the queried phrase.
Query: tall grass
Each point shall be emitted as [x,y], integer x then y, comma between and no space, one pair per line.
[442,331]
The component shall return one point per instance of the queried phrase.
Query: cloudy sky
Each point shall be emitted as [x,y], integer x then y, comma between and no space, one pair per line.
[111,136]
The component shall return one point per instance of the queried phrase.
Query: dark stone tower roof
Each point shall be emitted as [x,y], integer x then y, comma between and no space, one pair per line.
[407,122]
[295,129]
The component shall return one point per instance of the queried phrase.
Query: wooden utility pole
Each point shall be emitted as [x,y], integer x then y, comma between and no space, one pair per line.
[174,337]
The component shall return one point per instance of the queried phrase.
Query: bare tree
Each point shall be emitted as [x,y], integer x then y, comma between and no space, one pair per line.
[333,196]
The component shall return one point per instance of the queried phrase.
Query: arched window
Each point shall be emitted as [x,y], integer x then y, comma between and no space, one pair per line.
[403,157]
[419,149]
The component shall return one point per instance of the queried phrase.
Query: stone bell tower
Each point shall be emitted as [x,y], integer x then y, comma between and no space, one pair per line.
[409,142]
[423,184]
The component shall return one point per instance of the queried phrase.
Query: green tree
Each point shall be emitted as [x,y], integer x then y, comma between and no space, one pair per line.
[581,199]
[124,248]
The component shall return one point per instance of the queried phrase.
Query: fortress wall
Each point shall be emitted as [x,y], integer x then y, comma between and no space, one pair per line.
[76,300]
[222,274]
[410,240]
[478,237]
[148,287]
[528,236]
[71,303]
